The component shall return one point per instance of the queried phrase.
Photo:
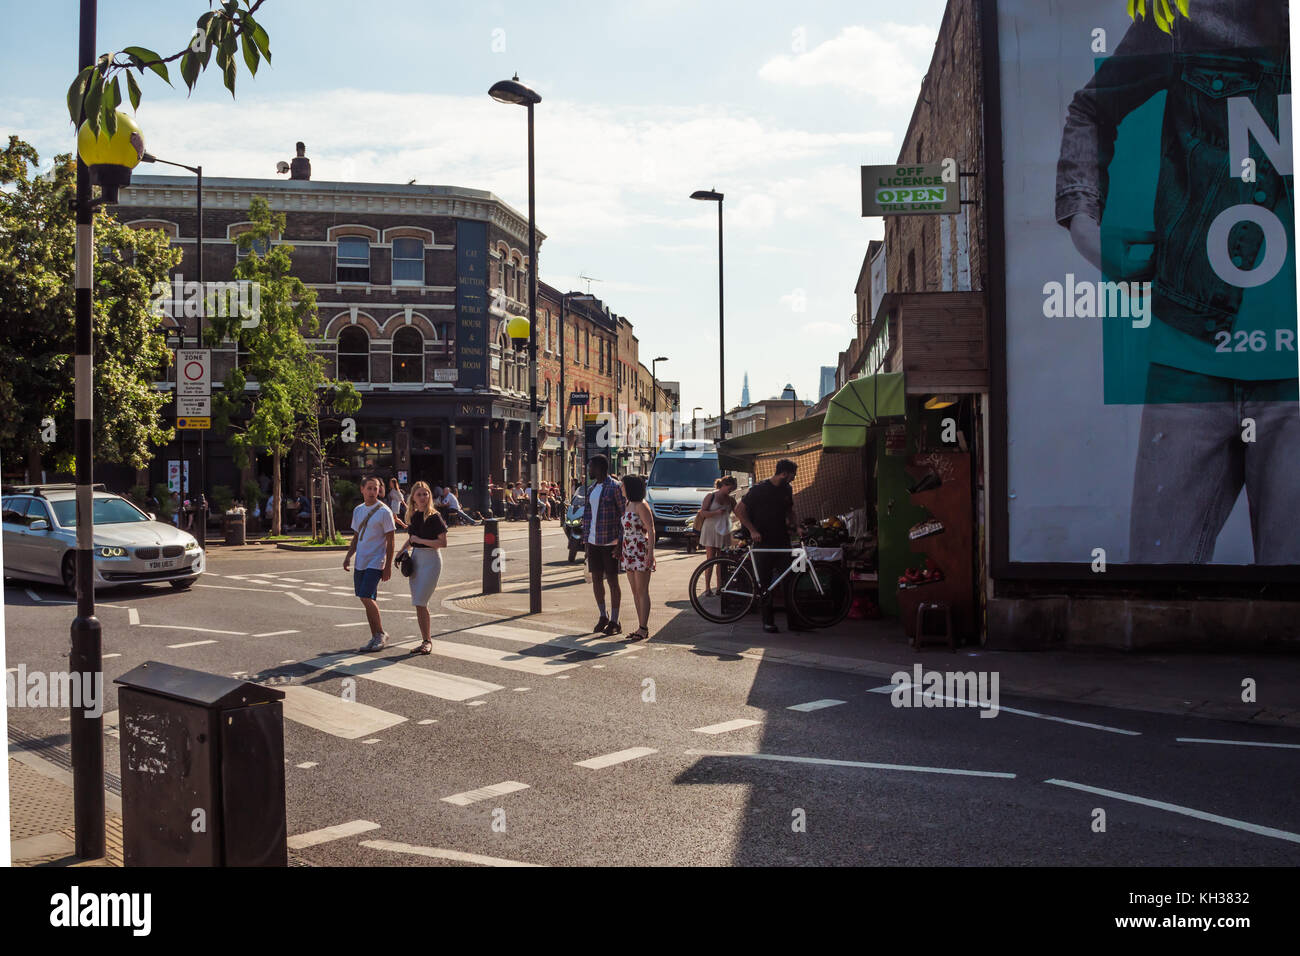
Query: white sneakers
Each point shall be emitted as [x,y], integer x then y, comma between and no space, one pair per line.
[377,643]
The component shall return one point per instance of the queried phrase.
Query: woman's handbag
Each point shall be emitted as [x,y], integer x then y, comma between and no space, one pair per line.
[405,564]
[702,516]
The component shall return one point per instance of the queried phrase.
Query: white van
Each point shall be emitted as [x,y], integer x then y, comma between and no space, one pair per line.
[682,474]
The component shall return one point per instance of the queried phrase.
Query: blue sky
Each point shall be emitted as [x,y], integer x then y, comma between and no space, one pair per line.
[775,104]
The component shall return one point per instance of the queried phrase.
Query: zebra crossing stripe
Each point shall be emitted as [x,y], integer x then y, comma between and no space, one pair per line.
[493,657]
[483,793]
[333,715]
[421,680]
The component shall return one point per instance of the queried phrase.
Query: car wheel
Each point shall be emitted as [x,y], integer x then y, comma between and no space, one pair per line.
[183,585]
[68,571]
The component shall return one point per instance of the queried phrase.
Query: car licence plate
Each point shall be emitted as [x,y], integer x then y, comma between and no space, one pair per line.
[161,565]
[675,528]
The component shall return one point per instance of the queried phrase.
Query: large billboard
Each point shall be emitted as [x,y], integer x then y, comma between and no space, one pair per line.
[1149,295]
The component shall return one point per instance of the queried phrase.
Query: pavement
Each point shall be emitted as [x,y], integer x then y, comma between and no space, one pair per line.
[746,726]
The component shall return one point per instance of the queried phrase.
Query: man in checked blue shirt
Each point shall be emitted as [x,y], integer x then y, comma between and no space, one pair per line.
[602,530]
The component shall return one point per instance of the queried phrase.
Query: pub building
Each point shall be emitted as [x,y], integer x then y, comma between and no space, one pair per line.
[414,286]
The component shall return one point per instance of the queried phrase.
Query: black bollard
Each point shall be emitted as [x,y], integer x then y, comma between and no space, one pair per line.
[493,557]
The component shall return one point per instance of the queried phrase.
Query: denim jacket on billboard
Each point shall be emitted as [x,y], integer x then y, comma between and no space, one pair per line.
[1229,48]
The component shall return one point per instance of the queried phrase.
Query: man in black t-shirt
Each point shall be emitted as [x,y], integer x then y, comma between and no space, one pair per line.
[767,512]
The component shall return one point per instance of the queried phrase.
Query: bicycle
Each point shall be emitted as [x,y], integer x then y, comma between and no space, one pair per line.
[818,593]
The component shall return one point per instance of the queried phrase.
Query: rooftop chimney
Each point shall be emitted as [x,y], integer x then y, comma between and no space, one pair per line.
[300,168]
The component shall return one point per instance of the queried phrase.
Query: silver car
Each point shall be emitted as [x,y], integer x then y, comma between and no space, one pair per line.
[40,540]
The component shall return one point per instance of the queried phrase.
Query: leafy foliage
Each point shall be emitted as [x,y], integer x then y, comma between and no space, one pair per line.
[223,31]
[37,320]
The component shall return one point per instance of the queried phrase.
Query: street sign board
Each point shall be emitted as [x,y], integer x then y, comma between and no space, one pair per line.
[193,371]
[188,406]
[923,189]
[579,398]
[193,422]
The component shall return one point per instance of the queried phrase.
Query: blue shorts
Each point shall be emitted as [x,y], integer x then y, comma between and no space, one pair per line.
[365,584]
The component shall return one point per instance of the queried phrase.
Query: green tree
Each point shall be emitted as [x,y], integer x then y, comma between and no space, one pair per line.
[37,304]
[329,404]
[273,350]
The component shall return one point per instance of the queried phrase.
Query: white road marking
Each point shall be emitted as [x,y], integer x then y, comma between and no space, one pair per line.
[33,595]
[227,587]
[299,598]
[598,667]
[621,756]
[563,676]
[300,841]
[497,658]
[190,644]
[523,635]
[406,676]
[1185,811]
[294,580]
[1003,709]
[333,715]
[483,793]
[1235,743]
[201,630]
[725,726]
[817,705]
[476,703]
[519,690]
[440,854]
[288,662]
[426,721]
[821,761]
[132,616]
[372,740]
[107,656]
[306,766]
[111,721]
[274,633]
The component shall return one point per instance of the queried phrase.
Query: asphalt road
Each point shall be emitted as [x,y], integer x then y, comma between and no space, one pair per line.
[503,717]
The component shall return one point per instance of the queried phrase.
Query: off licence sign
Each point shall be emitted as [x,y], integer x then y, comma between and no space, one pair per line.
[908,190]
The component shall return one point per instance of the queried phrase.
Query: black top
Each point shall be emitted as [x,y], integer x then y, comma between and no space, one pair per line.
[425,526]
[766,506]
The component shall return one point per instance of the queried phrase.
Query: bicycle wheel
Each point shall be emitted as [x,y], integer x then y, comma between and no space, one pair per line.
[825,607]
[733,587]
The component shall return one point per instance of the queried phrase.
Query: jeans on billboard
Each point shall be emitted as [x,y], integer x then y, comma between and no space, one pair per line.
[1193,461]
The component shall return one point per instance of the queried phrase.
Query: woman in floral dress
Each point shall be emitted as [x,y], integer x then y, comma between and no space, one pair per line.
[638,553]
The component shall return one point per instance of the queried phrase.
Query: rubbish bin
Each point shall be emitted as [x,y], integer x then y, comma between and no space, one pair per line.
[234,528]
[202,769]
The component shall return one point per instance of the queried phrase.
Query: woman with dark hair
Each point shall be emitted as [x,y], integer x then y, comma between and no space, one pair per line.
[715,533]
[638,558]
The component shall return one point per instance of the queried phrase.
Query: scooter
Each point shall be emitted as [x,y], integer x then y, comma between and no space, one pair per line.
[573,526]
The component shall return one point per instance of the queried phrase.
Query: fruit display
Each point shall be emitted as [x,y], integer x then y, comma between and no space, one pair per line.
[827,533]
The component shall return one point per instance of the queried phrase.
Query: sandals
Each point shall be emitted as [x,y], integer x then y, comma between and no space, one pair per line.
[425,647]
[640,634]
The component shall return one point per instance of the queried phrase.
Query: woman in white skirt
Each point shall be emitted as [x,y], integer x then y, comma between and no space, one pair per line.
[426,536]
[715,533]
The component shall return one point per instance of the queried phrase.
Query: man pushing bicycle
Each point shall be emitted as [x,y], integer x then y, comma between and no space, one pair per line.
[767,513]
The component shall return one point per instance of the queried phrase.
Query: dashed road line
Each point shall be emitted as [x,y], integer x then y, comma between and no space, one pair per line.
[817,705]
[1002,708]
[1235,743]
[620,756]
[825,762]
[440,854]
[132,616]
[274,633]
[201,630]
[483,793]
[725,727]
[300,841]
[189,644]
[1185,811]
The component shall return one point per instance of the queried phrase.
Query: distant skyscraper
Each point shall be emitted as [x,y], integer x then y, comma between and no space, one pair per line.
[744,392]
[828,381]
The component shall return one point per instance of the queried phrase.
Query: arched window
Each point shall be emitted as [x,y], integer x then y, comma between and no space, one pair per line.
[408,261]
[408,354]
[354,354]
[353,259]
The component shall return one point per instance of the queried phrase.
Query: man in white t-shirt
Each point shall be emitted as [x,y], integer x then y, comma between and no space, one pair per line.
[452,504]
[373,545]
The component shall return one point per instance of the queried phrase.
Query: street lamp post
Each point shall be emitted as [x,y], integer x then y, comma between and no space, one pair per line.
[513,92]
[654,399]
[695,422]
[106,160]
[198,340]
[712,196]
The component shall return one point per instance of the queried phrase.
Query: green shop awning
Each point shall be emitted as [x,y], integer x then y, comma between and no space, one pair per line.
[738,454]
[860,404]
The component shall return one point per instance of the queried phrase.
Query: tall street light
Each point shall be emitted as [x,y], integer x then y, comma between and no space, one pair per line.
[695,422]
[198,340]
[105,160]
[712,196]
[513,92]
[564,394]
[654,398]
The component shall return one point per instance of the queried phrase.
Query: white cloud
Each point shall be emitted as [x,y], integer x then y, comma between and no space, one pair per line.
[885,63]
